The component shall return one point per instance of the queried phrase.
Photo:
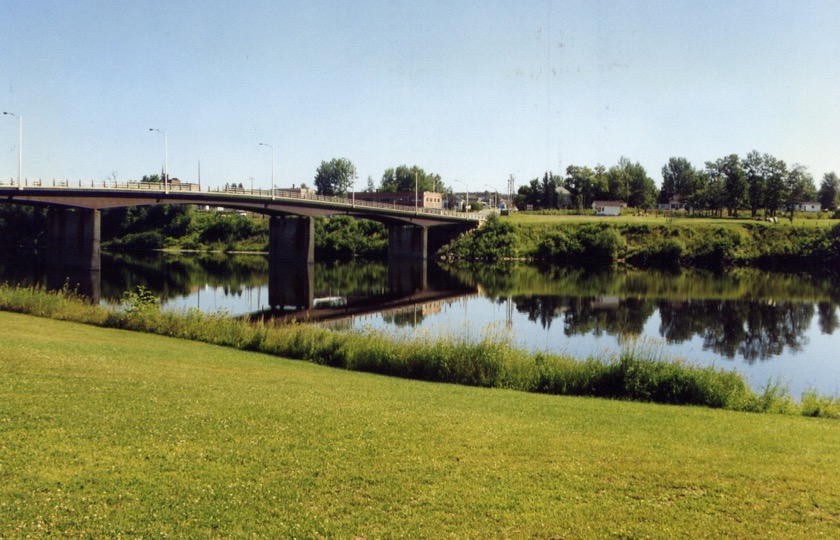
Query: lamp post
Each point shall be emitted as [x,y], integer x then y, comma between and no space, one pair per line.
[165,159]
[20,144]
[272,167]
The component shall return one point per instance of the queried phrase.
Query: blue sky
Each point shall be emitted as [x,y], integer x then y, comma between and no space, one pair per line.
[471,90]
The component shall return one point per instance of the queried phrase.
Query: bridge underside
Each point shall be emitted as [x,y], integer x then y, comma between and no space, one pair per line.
[73,239]
[74,222]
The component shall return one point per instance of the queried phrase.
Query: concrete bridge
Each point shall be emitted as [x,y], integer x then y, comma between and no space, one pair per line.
[73,235]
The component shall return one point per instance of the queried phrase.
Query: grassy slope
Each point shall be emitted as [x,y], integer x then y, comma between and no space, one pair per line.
[105,432]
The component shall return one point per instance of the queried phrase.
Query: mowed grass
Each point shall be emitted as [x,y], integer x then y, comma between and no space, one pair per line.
[108,433]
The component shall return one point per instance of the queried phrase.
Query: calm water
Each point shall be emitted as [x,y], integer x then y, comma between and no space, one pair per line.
[778,327]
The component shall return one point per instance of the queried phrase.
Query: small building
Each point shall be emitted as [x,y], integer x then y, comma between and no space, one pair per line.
[675,203]
[809,206]
[301,192]
[607,208]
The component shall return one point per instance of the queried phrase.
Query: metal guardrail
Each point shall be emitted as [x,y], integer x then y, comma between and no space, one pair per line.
[266,193]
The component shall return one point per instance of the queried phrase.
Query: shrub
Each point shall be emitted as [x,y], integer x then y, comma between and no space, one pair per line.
[138,242]
[601,245]
[495,240]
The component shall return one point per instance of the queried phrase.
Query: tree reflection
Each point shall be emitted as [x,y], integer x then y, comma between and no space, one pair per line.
[828,319]
[755,330]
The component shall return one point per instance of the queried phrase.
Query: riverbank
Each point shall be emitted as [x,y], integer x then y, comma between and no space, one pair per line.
[649,241]
[109,433]
[637,373]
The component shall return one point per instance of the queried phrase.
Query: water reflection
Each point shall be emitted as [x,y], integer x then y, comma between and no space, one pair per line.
[749,316]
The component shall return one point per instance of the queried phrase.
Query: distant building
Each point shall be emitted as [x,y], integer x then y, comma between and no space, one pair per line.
[299,191]
[675,203]
[424,199]
[608,208]
[809,206]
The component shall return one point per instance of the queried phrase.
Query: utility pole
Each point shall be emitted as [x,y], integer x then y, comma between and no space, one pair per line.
[510,189]
[20,146]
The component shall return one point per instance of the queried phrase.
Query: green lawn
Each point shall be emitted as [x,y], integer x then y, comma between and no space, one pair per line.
[107,433]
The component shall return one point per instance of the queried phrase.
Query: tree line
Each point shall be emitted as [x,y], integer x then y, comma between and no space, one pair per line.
[757,183]
[338,177]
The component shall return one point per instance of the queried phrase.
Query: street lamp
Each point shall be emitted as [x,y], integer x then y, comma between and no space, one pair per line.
[165,159]
[20,144]
[272,167]
[467,204]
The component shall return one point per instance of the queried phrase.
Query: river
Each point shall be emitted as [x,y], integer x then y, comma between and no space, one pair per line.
[771,327]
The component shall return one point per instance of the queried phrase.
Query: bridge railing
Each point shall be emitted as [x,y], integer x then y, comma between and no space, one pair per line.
[233,190]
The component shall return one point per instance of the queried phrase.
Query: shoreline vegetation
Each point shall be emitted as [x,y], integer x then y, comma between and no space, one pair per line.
[638,373]
[658,240]
[650,242]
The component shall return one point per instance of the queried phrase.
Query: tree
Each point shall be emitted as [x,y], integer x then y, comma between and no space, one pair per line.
[754,174]
[618,181]
[549,191]
[529,194]
[642,190]
[629,182]
[776,174]
[713,195]
[730,172]
[403,178]
[679,178]
[799,186]
[829,190]
[335,177]
[580,183]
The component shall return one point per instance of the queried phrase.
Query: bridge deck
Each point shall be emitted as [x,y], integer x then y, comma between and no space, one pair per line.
[110,194]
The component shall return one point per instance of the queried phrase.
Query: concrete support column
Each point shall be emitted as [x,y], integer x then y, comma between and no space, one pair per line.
[73,239]
[291,240]
[408,242]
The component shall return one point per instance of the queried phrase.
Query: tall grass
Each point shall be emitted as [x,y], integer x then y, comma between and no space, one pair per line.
[491,360]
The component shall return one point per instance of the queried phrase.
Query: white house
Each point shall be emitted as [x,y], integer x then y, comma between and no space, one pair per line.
[607,208]
[809,206]
[674,204]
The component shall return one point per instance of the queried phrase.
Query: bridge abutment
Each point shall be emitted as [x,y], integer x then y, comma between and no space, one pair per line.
[408,242]
[73,239]
[291,240]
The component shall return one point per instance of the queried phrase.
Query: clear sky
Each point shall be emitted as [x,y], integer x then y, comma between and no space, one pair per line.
[471,90]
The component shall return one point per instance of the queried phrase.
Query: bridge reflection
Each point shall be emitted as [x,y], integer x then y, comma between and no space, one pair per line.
[306,292]
[292,292]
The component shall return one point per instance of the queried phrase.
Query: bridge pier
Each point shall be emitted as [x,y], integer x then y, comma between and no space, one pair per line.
[408,242]
[291,240]
[73,239]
